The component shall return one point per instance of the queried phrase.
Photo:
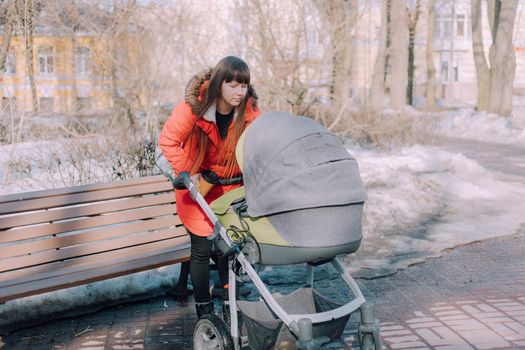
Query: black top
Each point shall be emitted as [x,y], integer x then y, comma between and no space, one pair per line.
[223,122]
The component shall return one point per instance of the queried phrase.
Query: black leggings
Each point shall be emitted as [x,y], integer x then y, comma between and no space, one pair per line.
[200,268]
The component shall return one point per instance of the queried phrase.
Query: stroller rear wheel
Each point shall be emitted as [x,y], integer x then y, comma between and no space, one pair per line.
[211,333]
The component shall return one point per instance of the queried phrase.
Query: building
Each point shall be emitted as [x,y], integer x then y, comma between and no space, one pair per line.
[452,51]
[74,70]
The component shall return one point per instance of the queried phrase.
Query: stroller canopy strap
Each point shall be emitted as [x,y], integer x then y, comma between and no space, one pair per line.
[292,162]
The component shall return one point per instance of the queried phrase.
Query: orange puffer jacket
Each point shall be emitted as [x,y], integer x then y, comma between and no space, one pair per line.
[177,137]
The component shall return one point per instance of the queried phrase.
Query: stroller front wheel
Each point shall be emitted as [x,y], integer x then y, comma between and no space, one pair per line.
[211,333]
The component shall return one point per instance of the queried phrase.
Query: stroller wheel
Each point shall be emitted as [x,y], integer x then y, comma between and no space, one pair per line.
[211,333]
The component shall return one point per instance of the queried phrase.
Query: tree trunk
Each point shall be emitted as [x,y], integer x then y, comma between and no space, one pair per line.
[8,32]
[413,18]
[377,85]
[503,66]
[431,70]
[493,11]
[493,8]
[399,57]
[342,15]
[73,13]
[8,29]
[29,50]
[73,41]
[482,68]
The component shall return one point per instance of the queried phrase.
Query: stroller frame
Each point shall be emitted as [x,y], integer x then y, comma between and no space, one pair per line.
[300,325]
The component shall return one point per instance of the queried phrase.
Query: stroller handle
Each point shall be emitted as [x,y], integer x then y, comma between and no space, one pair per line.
[211,177]
[181,182]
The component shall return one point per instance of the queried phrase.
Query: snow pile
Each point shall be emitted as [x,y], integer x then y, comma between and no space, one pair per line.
[90,297]
[466,123]
[424,200]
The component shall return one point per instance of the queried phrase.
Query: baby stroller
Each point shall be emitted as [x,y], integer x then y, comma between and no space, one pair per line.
[302,202]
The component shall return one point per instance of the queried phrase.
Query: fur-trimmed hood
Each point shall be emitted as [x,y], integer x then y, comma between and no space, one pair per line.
[199,82]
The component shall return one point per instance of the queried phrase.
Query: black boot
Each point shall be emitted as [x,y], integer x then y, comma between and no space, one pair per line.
[226,312]
[180,293]
[226,317]
[204,308]
[181,290]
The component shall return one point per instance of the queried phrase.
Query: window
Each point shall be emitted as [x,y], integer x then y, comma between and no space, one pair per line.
[437,27]
[9,104]
[447,25]
[456,72]
[446,29]
[83,103]
[443,26]
[460,25]
[444,71]
[45,59]
[82,60]
[449,72]
[46,104]
[10,63]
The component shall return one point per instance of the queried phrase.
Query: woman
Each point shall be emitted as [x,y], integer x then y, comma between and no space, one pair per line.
[200,135]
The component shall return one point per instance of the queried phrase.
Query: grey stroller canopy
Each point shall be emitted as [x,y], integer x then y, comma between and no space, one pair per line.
[291,162]
[299,176]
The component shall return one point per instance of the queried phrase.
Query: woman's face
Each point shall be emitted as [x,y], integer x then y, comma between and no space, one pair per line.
[233,92]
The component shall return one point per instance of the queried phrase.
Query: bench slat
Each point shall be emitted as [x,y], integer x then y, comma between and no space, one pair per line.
[83,250]
[83,224]
[82,263]
[81,188]
[69,213]
[98,271]
[83,197]
[100,234]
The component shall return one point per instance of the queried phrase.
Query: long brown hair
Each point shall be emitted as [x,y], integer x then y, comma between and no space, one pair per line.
[228,69]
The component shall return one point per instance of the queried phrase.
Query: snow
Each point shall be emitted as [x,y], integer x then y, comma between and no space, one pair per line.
[91,296]
[469,124]
[422,199]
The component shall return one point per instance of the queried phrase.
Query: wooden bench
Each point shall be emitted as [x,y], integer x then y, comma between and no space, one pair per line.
[60,238]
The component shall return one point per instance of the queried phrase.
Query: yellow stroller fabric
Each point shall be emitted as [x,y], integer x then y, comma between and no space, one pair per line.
[269,247]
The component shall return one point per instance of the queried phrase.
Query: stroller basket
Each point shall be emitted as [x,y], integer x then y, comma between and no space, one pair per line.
[265,330]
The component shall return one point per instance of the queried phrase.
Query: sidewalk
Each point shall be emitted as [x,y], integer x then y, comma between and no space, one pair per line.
[473,297]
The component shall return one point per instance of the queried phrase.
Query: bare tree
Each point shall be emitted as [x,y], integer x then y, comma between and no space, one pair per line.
[495,82]
[482,67]
[399,56]
[65,17]
[28,22]
[341,16]
[431,70]
[20,15]
[503,63]
[413,17]
[286,60]
[377,85]
[7,18]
